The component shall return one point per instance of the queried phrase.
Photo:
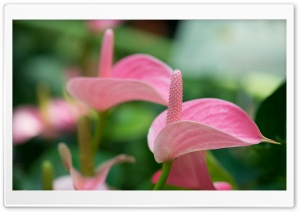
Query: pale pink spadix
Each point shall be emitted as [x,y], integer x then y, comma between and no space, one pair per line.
[135,77]
[89,183]
[175,98]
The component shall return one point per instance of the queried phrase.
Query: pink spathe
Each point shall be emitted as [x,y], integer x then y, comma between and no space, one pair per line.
[136,77]
[89,183]
[205,124]
[190,171]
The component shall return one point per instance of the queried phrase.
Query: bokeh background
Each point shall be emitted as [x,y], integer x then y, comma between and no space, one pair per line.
[243,62]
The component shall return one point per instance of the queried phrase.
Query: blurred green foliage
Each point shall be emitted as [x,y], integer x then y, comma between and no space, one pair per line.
[43,50]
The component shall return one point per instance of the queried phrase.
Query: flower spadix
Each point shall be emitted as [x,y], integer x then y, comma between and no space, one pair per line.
[80,182]
[136,77]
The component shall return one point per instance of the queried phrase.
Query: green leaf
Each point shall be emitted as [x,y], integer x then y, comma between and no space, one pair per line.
[72,27]
[217,172]
[271,115]
[270,158]
[132,41]
[129,122]
[127,39]
[45,70]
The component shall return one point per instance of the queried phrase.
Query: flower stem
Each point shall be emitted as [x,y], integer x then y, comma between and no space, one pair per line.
[85,147]
[43,97]
[164,175]
[99,130]
[47,175]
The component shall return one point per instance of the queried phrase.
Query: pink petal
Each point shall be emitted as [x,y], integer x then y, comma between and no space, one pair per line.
[147,69]
[212,124]
[63,115]
[27,123]
[106,57]
[63,183]
[66,183]
[104,168]
[189,171]
[222,186]
[183,137]
[104,93]
[137,77]
[89,183]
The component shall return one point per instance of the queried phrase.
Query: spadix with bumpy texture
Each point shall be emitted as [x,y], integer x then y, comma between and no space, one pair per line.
[175,98]
[136,77]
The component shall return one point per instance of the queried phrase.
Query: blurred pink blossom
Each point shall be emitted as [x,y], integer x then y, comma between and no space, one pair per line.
[61,116]
[136,77]
[77,181]
[66,183]
[101,25]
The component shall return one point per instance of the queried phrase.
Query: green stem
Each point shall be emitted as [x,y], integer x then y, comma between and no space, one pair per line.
[164,175]
[85,148]
[47,175]
[43,97]
[99,130]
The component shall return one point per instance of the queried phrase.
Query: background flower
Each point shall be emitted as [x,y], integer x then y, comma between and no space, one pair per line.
[60,116]
[136,77]
[86,183]
[101,25]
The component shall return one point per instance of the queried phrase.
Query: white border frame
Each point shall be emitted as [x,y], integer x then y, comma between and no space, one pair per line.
[147,198]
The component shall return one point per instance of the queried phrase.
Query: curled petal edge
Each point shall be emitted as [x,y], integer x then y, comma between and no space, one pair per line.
[183,137]
[104,93]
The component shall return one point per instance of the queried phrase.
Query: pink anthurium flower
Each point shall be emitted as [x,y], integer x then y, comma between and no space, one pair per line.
[60,116]
[27,123]
[101,25]
[79,182]
[136,77]
[195,126]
